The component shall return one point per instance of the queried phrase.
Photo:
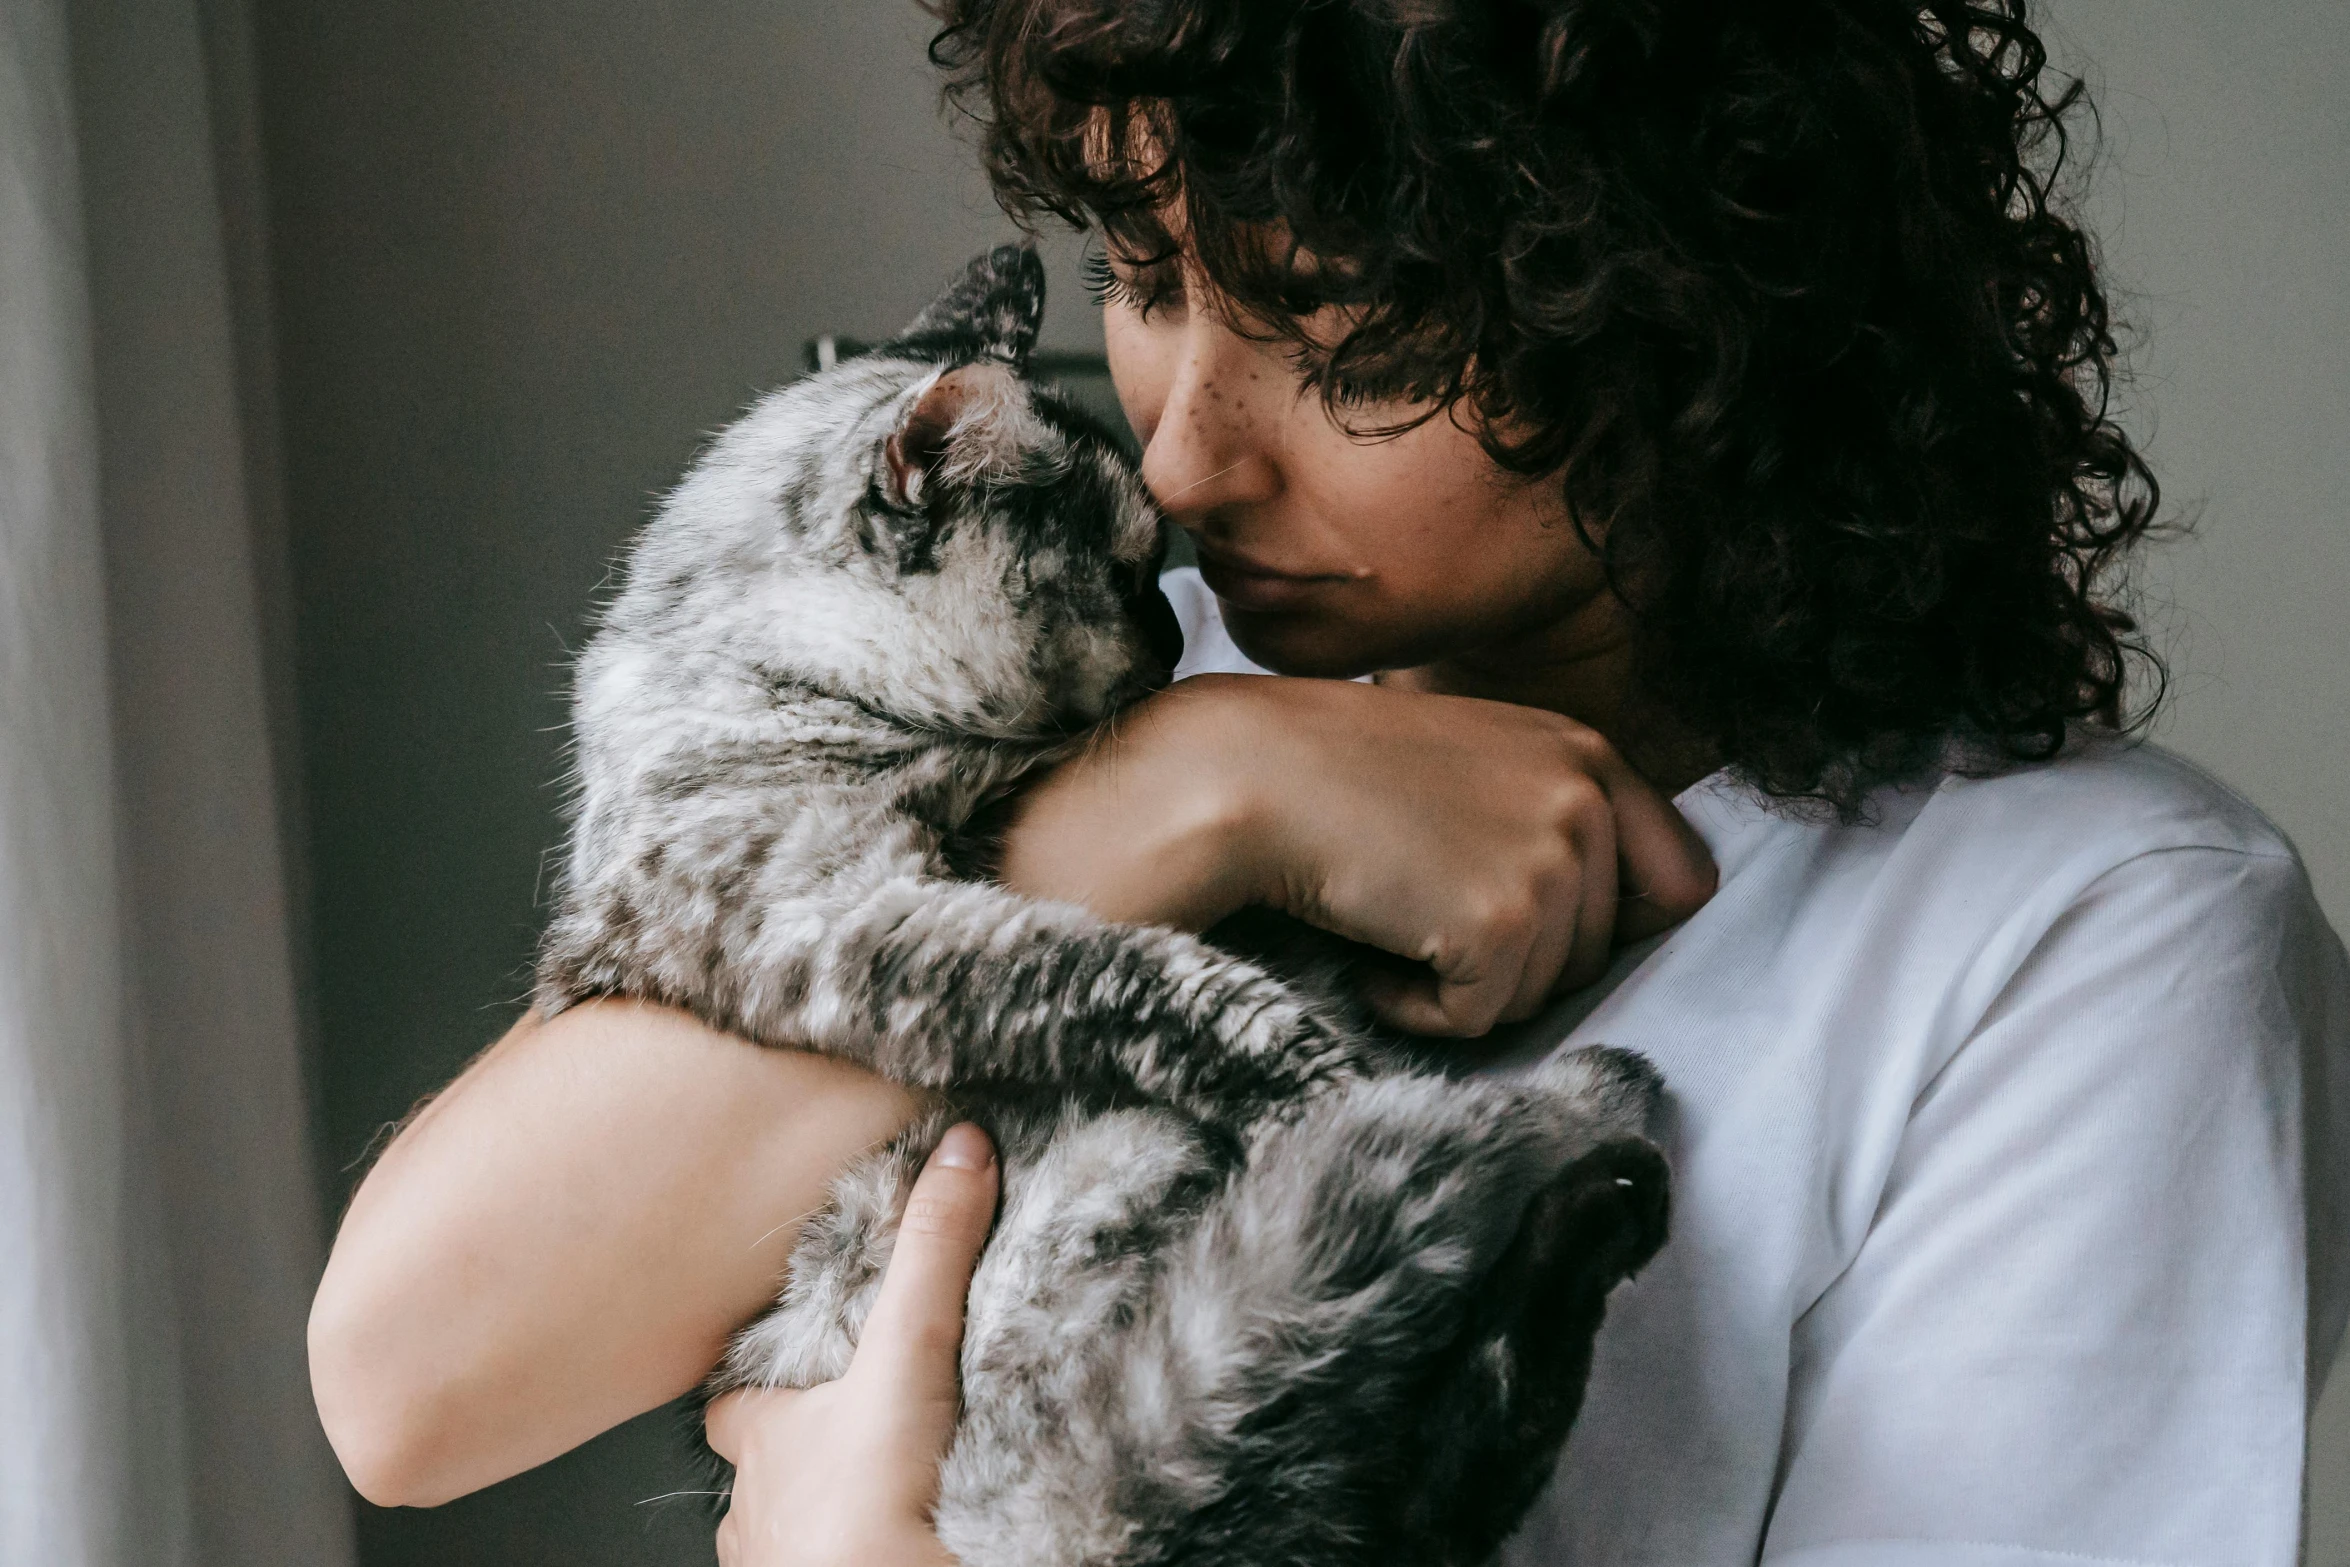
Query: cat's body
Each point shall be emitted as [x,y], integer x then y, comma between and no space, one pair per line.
[1256,1293]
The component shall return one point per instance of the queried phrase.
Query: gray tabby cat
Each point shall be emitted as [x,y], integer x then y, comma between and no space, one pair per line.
[1258,1291]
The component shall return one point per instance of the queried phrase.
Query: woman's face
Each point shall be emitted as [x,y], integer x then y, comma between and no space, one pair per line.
[1333,554]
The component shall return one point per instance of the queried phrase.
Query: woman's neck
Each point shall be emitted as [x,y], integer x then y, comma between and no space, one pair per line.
[1581,666]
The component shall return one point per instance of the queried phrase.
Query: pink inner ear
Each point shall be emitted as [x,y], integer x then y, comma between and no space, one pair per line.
[921,439]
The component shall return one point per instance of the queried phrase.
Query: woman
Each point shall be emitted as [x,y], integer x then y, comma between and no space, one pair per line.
[1692,415]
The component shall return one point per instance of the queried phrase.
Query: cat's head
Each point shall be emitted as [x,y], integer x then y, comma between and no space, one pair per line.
[926,531]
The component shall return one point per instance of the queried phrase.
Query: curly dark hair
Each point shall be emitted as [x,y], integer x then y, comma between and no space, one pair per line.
[1784,294]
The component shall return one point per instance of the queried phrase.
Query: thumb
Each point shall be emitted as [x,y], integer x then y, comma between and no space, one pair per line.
[730,1422]
[908,1349]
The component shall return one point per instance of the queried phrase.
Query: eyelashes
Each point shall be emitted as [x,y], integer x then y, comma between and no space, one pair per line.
[1146,294]
[1152,289]
[1101,283]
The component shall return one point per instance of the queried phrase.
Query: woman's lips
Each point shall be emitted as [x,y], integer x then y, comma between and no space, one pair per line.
[1251,585]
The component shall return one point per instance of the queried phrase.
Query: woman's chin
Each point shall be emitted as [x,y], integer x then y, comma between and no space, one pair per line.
[1311,642]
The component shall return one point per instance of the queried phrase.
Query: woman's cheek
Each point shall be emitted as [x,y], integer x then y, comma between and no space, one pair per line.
[1142,367]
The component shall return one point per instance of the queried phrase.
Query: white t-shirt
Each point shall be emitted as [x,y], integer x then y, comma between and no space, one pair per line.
[2008,1136]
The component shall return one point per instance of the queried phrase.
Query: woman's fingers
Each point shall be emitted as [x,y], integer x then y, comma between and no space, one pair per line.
[907,1352]
[1665,870]
[1576,941]
[1464,990]
[1544,913]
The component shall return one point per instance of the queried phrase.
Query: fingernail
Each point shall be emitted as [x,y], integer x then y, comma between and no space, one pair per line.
[965,1147]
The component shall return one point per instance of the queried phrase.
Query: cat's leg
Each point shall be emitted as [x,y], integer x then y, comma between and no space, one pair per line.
[937,983]
[1371,1345]
[1090,1204]
[1499,1409]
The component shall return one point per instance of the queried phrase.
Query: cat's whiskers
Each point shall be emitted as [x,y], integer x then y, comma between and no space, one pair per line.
[797,1218]
[1196,483]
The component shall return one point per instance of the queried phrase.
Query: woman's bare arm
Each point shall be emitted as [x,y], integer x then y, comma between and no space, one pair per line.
[565,1238]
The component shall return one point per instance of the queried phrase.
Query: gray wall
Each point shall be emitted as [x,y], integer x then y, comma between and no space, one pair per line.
[2223,198]
[526,253]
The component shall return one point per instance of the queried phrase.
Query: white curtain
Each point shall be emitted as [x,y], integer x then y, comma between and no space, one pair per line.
[79,1479]
[159,1229]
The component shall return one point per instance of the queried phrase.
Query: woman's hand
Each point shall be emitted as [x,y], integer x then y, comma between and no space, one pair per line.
[1505,847]
[845,1475]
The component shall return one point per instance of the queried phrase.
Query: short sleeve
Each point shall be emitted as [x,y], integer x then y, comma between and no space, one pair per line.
[2088,1321]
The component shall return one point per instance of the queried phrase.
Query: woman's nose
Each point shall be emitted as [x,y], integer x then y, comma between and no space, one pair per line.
[1215,445]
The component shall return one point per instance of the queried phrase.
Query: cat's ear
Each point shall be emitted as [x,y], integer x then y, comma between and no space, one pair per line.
[958,427]
[993,311]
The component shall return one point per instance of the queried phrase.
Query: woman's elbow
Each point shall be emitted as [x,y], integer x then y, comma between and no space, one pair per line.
[386,1427]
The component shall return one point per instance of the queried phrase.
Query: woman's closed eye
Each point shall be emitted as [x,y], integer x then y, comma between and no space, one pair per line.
[1147,290]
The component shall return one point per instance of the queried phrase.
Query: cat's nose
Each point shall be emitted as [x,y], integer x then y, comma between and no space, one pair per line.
[1161,631]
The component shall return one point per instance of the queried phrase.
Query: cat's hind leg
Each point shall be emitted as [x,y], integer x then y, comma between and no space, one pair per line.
[1092,1203]
[1370,1346]
[835,1269]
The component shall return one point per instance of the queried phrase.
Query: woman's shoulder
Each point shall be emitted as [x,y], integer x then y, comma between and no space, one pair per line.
[2116,795]
[2112,811]
[2116,846]
[2102,802]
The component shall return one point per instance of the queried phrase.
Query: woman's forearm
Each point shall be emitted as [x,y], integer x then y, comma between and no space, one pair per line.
[1503,847]
[565,1238]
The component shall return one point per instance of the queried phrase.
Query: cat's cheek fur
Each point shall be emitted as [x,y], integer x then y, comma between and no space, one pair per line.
[914,647]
